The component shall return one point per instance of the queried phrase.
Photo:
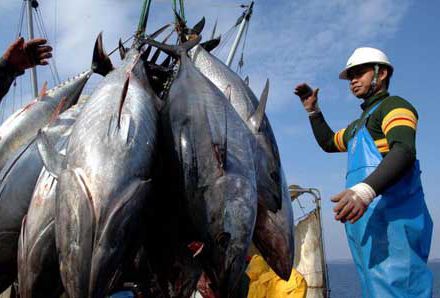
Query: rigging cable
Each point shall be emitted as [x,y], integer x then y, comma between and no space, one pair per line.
[42,28]
[14,86]
[182,9]
[241,61]
[20,21]
[226,37]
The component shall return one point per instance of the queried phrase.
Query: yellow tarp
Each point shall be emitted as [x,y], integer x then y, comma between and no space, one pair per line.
[264,283]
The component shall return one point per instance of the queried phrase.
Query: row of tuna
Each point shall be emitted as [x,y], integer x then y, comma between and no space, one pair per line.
[162,177]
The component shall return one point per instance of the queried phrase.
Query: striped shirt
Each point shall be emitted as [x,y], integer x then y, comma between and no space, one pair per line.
[394,121]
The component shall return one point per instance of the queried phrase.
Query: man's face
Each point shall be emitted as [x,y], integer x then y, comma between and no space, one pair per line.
[360,78]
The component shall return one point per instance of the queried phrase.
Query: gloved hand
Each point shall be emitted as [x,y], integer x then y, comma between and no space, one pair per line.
[352,202]
[309,98]
[22,54]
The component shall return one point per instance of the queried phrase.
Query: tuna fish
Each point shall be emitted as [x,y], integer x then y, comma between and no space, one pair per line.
[104,179]
[23,125]
[273,235]
[19,175]
[38,273]
[212,151]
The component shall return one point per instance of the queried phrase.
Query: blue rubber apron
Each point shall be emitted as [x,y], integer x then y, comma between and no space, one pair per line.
[390,243]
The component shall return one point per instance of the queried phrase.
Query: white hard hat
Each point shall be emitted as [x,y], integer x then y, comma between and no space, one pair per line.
[363,56]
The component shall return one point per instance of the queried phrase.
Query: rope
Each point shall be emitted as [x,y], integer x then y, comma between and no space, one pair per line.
[124,42]
[241,62]
[225,39]
[55,26]
[42,28]
[182,9]
[21,18]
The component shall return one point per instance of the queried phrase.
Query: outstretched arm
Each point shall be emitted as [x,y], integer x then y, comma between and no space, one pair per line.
[19,56]
[327,139]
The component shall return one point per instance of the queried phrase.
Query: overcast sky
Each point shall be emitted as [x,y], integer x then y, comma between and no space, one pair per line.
[288,42]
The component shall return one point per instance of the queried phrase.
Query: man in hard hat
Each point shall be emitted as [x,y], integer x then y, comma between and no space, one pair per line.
[387,223]
[21,55]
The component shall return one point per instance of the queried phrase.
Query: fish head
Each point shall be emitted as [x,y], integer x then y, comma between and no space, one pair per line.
[232,207]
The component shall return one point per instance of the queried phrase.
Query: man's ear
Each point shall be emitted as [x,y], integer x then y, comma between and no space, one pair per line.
[383,73]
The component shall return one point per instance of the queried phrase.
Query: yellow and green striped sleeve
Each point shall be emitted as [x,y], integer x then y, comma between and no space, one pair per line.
[399,117]
[338,140]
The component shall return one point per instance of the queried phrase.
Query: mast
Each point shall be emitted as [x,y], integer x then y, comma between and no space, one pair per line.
[246,17]
[30,23]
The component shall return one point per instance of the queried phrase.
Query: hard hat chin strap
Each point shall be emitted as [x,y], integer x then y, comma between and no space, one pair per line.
[373,82]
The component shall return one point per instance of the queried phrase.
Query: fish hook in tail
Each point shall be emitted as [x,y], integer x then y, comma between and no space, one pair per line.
[101,63]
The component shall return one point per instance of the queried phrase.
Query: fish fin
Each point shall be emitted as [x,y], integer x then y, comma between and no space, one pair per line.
[246,80]
[157,52]
[22,241]
[175,51]
[257,118]
[211,44]
[122,50]
[43,91]
[120,221]
[198,28]
[101,63]
[74,231]
[58,109]
[166,62]
[52,159]
[214,29]
[187,150]
[218,124]
[21,255]
[122,100]
[228,92]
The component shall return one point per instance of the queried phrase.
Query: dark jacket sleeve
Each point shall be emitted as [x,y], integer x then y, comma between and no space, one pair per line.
[391,169]
[324,135]
[7,76]
[402,117]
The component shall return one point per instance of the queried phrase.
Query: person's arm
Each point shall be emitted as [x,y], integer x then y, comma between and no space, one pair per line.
[327,139]
[7,76]
[399,127]
[21,55]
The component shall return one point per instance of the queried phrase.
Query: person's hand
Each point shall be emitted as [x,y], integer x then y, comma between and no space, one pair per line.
[25,54]
[352,203]
[348,206]
[309,97]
